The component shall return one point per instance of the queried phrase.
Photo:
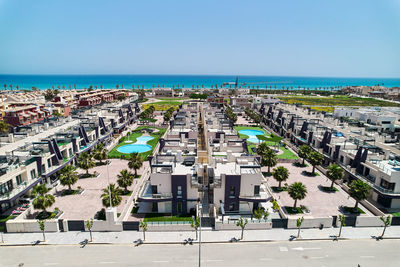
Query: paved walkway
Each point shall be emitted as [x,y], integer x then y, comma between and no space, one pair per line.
[208,236]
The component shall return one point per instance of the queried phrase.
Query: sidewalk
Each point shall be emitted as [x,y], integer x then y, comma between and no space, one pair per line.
[208,236]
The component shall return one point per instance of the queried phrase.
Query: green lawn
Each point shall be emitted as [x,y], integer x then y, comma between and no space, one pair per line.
[157,217]
[133,137]
[336,101]
[396,214]
[287,154]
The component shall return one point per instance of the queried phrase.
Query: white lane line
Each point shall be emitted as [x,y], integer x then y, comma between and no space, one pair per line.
[160,261]
[367,257]
[282,249]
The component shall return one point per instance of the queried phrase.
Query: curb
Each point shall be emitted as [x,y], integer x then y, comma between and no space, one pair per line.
[203,242]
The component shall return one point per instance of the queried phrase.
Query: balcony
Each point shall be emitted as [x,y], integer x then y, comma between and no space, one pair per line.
[24,186]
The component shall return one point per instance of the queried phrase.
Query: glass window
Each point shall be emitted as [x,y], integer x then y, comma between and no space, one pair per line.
[19,179]
[232,191]
[179,191]
[33,174]
[6,187]
[256,190]
[385,184]
[179,207]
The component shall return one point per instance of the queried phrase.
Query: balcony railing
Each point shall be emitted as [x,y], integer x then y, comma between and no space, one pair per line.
[21,187]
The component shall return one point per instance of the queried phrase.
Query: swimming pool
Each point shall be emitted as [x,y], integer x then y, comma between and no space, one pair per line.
[252,134]
[134,148]
[139,146]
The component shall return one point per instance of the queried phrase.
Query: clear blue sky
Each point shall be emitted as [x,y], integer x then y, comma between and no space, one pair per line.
[346,38]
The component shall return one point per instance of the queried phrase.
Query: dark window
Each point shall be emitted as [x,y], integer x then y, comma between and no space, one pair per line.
[154,189]
[389,186]
[19,179]
[179,207]
[256,190]
[154,207]
[232,192]
[179,191]
[33,174]
[232,207]
[6,187]
[341,159]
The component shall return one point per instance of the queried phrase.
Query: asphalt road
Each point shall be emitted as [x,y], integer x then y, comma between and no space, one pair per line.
[307,253]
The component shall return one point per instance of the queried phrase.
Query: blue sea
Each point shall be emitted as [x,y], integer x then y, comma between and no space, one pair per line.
[148,81]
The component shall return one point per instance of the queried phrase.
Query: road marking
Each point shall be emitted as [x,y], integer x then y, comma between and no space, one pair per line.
[160,261]
[367,257]
[301,248]
[283,249]
[214,260]
[107,262]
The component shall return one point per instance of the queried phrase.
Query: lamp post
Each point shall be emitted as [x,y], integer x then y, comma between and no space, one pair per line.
[200,207]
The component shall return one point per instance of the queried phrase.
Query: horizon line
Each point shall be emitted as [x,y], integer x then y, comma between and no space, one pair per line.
[233,75]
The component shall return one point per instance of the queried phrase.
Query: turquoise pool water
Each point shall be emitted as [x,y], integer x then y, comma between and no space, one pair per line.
[139,146]
[134,148]
[252,134]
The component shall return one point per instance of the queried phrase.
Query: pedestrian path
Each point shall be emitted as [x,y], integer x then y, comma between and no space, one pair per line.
[209,236]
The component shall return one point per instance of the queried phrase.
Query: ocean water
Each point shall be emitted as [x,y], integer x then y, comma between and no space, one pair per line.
[148,81]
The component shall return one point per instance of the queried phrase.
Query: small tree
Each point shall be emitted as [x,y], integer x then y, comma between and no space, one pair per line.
[111,192]
[304,152]
[268,158]
[265,215]
[342,220]
[68,176]
[334,173]
[143,225]
[297,191]
[315,159]
[299,222]
[85,161]
[359,190]
[100,153]
[280,174]
[42,228]
[258,214]
[135,162]
[89,225]
[125,179]
[195,223]
[386,221]
[242,224]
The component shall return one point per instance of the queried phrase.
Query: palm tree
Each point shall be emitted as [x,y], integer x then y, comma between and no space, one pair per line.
[68,176]
[242,224]
[125,179]
[85,161]
[100,153]
[280,174]
[342,220]
[359,190]
[42,202]
[315,159]
[304,152]
[4,127]
[386,221]
[89,225]
[39,190]
[268,158]
[297,191]
[135,162]
[111,192]
[334,173]
[299,222]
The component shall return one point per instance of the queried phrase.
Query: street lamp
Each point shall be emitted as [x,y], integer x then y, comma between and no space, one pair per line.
[200,207]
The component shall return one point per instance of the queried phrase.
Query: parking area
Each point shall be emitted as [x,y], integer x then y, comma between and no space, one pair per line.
[319,202]
[87,204]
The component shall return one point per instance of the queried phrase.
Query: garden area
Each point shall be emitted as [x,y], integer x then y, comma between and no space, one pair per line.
[257,135]
[132,139]
[160,217]
[163,105]
[327,104]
